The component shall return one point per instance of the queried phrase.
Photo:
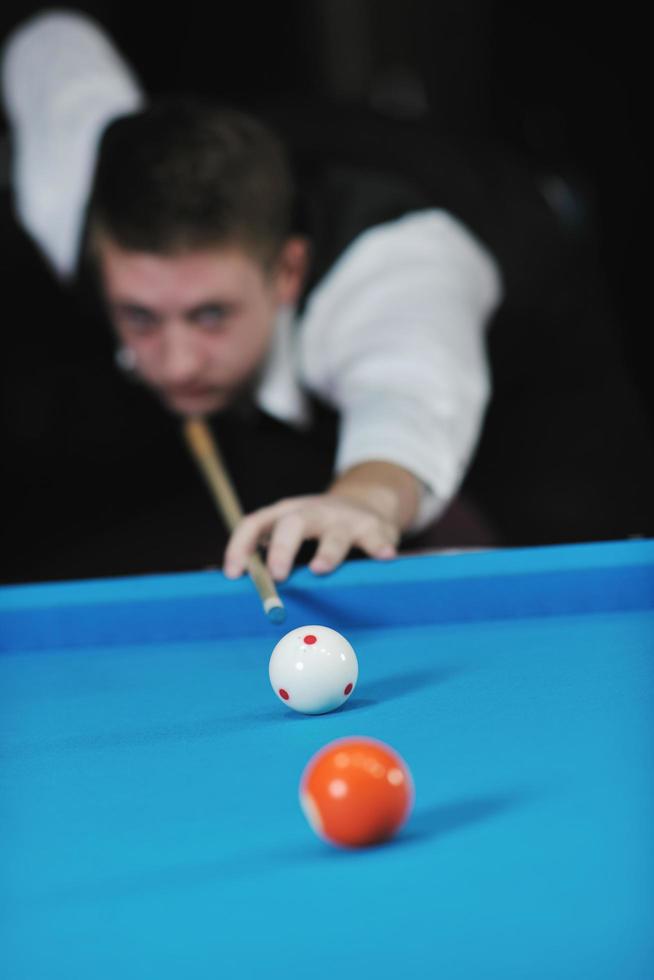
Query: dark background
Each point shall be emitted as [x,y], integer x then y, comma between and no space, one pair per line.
[553,86]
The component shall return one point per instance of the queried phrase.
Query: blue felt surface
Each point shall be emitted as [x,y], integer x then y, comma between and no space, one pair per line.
[149,823]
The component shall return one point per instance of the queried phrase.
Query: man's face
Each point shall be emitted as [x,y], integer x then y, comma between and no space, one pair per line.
[199,324]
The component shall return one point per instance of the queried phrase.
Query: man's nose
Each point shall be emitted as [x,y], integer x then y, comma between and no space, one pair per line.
[181,357]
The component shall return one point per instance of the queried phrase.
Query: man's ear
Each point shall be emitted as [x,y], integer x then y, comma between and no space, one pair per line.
[291,270]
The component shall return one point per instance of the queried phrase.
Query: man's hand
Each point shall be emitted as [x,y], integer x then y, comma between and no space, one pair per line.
[367,508]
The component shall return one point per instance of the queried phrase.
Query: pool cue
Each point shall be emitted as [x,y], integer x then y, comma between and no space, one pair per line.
[204,450]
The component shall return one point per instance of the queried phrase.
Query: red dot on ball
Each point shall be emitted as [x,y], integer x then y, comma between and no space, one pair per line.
[310,639]
[284,694]
[348,690]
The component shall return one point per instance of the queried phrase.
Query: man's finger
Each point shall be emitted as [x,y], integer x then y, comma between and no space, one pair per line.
[332,550]
[287,536]
[378,541]
[245,538]
[252,531]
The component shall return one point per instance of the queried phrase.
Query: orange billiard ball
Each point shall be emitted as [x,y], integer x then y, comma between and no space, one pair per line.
[356,792]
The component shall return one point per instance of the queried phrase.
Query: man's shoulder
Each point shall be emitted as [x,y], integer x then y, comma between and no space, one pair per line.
[345,202]
[357,168]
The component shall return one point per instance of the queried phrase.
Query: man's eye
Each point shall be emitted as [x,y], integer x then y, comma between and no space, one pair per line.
[212,317]
[137,319]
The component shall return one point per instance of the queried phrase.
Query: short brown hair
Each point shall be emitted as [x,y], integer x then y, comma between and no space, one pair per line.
[183,174]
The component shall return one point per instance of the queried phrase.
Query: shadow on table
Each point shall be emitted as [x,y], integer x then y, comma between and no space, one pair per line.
[401,684]
[437,821]
[383,689]
[426,824]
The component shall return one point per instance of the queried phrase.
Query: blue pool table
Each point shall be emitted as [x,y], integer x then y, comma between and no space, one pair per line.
[149,818]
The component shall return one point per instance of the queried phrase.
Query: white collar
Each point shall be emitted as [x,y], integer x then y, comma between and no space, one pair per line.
[279,392]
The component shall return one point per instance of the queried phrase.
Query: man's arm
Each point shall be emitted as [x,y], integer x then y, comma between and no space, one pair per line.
[393,338]
[367,507]
[63,81]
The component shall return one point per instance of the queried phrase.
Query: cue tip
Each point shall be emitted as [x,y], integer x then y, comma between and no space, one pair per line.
[274,609]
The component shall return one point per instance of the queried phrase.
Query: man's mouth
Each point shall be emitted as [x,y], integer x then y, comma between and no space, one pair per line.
[191,399]
[189,391]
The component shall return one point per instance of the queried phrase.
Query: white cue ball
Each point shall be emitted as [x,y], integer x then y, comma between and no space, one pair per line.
[313,669]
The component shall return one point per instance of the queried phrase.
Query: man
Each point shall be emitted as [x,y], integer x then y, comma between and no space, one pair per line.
[215,299]
[333,332]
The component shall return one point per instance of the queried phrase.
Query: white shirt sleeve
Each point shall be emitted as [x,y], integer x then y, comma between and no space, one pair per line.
[394,338]
[63,82]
